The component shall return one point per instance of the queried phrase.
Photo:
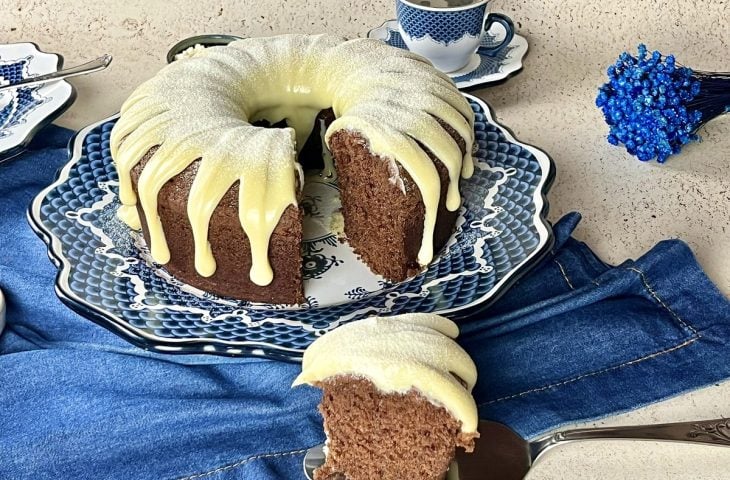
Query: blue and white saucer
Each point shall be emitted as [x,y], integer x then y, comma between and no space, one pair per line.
[24,111]
[106,273]
[482,69]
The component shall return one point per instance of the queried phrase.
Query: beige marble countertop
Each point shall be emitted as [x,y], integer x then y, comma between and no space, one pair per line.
[628,206]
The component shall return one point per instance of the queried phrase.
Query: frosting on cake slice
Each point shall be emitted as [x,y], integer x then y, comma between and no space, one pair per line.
[396,397]
[398,354]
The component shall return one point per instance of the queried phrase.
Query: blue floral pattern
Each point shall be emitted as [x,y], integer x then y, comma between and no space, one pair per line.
[24,111]
[21,101]
[315,263]
[108,275]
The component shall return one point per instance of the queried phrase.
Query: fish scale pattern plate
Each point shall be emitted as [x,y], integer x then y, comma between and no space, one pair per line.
[442,26]
[107,275]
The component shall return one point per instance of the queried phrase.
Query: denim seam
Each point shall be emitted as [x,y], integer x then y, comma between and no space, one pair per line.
[231,466]
[599,372]
[654,295]
[562,271]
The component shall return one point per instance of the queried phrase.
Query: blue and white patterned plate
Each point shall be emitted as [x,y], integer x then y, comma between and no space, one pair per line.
[106,274]
[24,111]
[482,70]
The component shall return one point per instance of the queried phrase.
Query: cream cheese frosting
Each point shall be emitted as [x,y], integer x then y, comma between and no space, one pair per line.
[203,105]
[398,354]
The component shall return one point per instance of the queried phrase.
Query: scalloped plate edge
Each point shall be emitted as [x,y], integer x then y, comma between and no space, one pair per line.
[543,226]
[508,70]
[103,317]
[259,349]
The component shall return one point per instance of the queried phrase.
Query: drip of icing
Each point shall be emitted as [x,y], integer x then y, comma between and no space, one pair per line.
[398,354]
[202,106]
[128,214]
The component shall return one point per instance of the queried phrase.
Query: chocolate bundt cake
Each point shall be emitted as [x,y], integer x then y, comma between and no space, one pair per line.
[215,188]
[396,398]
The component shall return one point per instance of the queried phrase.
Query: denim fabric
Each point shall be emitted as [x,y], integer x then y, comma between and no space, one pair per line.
[575,339]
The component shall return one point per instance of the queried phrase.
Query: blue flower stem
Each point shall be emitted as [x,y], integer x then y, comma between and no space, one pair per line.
[713,99]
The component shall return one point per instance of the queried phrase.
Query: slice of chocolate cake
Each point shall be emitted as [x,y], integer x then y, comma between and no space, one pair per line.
[396,398]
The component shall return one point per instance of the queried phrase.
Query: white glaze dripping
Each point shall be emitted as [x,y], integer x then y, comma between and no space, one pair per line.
[203,106]
[400,353]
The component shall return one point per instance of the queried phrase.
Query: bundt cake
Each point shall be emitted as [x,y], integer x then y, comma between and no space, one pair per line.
[396,397]
[209,170]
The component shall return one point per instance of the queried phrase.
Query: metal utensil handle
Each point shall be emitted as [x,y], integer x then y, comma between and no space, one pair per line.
[714,432]
[708,432]
[89,67]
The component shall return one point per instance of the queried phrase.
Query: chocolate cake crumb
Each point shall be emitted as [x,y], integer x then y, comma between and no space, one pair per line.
[384,224]
[385,436]
[229,243]
[383,221]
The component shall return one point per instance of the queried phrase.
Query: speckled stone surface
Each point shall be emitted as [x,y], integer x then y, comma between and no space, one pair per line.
[628,206]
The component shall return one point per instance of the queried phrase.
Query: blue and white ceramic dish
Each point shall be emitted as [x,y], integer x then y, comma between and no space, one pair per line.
[23,112]
[483,69]
[106,274]
[449,36]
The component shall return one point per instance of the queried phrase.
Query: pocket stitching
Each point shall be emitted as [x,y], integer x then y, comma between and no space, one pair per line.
[562,271]
[655,296]
[598,372]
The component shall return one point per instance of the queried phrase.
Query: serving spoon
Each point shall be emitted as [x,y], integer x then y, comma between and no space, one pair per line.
[501,454]
[89,67]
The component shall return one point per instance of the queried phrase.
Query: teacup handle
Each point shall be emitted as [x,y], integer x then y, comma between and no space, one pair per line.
[509,28]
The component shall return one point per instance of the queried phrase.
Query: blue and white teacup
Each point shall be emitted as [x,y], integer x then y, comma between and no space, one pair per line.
[449,32]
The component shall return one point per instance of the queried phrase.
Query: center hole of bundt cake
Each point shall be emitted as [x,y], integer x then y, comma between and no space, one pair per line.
[312,153]
[219,202]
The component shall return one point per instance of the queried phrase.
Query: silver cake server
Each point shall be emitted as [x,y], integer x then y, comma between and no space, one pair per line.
[501,454]
[89,67]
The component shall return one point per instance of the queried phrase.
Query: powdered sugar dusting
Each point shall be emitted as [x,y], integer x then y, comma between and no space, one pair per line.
[397,354]
[203,106]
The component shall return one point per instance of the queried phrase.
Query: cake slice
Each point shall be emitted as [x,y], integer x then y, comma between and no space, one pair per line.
[396,398]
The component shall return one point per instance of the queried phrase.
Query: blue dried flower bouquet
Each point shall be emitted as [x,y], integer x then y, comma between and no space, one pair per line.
[654,106]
